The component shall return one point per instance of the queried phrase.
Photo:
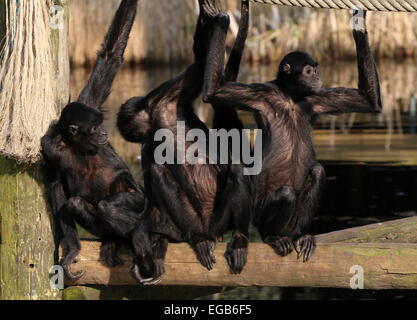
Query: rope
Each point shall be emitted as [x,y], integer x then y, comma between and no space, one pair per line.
[369,5]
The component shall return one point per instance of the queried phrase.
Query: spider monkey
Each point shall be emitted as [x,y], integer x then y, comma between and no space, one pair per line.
[287,190]
[194,203]
[87,182]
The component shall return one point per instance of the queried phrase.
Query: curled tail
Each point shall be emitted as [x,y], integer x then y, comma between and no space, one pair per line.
[110,57]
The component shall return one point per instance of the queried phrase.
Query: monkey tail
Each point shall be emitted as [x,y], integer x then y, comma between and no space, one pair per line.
[110,57]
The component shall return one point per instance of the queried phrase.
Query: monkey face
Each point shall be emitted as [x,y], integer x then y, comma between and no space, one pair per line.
[310,77]
[81,128]
[298,74]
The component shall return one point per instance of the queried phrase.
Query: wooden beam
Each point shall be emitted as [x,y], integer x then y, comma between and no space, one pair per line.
[393,231]
[385,265]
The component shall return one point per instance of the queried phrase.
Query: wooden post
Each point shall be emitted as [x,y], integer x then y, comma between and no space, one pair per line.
[27,242]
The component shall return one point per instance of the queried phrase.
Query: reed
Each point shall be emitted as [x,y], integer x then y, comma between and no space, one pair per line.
[164,29]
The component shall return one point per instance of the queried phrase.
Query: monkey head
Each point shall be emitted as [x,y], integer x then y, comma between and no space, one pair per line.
[80,128]
[133,120]
[298,74]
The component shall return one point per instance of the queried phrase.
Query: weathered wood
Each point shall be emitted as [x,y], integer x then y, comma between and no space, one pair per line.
[27,249]
[394,231]
[27,246]
[386,266]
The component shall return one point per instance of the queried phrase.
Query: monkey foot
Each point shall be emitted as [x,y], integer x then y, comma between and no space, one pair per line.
[72,276]
[135,272]
[283,246]
[204,251]
[113,261]
[305,246]
[236,259]
[159,267]
[108,252]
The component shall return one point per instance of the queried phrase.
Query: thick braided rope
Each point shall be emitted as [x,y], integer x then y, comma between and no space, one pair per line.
[371,5]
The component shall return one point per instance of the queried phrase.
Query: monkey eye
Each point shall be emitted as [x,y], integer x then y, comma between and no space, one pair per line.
[94,129]
[309,70]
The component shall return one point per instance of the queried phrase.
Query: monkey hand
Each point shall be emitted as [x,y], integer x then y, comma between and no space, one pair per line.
[209,8]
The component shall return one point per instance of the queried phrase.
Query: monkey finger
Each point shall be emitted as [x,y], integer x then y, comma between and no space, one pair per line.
[72,276]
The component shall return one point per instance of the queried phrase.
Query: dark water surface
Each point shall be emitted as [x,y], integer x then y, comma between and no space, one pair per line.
[370,159]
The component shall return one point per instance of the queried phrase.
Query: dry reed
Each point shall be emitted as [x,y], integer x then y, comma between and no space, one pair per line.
[163,32]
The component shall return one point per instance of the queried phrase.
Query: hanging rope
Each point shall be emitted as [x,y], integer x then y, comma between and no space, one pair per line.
[370,5]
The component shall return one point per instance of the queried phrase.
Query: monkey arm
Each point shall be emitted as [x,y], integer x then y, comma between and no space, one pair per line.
[110,57]
[233,64]
[50,145]
[204,29]
[366,98]
[249,97]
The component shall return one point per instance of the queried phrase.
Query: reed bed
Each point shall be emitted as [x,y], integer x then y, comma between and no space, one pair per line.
[164,29]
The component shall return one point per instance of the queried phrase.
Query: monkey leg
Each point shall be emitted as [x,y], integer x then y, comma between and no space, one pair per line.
[273,213]
[236,201]
[119,215]
[76,209]
[170,198]
[307,203]
[148,253]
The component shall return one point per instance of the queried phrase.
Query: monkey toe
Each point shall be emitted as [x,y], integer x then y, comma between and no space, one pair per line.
[159,268]
[113,261]
[204,251]
[305,246]
[236,259]
[72,276]
[135,273]
[283,246]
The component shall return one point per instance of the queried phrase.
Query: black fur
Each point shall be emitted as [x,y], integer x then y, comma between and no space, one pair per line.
[87,182]
[287,190]
[192,203]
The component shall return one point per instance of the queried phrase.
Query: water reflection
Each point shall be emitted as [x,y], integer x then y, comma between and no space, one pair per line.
[388,138]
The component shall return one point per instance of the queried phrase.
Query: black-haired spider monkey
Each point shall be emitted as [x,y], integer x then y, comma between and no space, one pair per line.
[287,189]
[195,203]
[87,182]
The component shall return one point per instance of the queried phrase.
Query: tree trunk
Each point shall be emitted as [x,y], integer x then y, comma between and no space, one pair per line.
[27,242]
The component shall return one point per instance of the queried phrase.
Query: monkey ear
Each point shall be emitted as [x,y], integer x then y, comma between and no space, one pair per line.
[287,68]
[73,129]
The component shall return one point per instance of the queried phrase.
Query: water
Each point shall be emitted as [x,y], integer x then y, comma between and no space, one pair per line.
[370,159]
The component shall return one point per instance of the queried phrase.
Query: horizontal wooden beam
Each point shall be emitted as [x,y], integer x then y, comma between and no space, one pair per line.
[385,266]
[395,231]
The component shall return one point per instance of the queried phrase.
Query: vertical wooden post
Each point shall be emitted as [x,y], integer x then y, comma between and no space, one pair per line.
[27,244]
